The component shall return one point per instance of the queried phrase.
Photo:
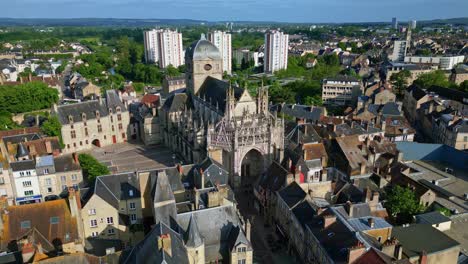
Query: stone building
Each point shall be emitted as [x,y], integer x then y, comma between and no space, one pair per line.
[341,90]
[93,123]
[217,119]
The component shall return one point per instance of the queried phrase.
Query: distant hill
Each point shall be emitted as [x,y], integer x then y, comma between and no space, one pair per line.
[51,22]
[130,22]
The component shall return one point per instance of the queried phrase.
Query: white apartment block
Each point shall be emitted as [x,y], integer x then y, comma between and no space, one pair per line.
[399,50]
[444,62]
[276,51]
[341,90]
[222,41]
[164,47]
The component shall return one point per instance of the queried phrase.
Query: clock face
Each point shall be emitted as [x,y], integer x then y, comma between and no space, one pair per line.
[207,67]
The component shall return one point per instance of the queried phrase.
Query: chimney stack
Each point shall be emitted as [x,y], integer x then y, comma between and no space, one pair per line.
[164,243]
[371,222]
[247,229]
[75,158]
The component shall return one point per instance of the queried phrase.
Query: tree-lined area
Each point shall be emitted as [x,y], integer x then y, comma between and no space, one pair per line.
[27,97]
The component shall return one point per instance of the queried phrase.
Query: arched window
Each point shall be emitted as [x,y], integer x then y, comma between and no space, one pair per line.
[118,109]
[70,118]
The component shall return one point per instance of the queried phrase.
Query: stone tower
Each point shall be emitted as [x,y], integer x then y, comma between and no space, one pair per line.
[202,59]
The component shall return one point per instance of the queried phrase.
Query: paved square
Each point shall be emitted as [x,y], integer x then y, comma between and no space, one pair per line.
[131,157]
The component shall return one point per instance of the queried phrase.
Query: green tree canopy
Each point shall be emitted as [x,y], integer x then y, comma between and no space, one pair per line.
[27,97]
[91,167]
[402,204]
[437,78]
[399,80]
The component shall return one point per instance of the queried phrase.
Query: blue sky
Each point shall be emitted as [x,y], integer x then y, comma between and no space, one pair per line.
[216,10]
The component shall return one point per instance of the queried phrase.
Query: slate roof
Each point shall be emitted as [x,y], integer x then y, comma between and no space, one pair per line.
[113,101]
[175,102]
[23,165]
[64,163]
[193,237]
[362,224]
[214,90]
[432,218]
[45,161]
[304,213]
[166,212]
[274,178]
[219,235]
[147,250]
[214,173]
[292,194]
[76,110]
[114,188]
[304,134]
[416,92]
[311,113]
[390,109]
[413,242]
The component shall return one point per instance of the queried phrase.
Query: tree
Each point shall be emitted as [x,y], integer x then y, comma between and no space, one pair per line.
[403,204]
[6,121]
[399,80]
[53,128]
[91,167]
[27,97]
[172,71]
[279,94]
[464,86]
[437,78]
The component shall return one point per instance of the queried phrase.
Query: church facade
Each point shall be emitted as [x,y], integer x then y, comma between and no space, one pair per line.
[223,121]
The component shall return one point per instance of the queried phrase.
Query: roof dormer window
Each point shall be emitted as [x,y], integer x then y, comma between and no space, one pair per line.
[70,118]
[110,110]
[83,116]
[118,109]
[98,115]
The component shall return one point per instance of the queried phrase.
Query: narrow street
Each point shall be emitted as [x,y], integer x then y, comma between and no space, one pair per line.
[266,245]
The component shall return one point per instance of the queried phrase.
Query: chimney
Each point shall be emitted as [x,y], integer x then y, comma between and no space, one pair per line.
[202,179]
[371,222]
[399,252]
[39,248]
[423,257]
[197,198]
[363,167]
[355,252]
[247,229]
[384,125]
[48,146]
[349,207]
[75,158]
[328,220]
[180,169]
[400,156]
[74,201]
[164,243]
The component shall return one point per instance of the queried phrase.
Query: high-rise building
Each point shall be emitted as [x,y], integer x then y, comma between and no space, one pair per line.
[222,41]
[276,51]
[413,24]
[164,47]
[394,23]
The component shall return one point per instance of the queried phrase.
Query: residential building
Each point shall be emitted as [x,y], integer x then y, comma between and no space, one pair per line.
[415,70]
[413,24]
[394,23]
[436,219]
[6,184]
[164,47]
[399,50]
[459,74]
[437,248]
[341,90]
[171,84]
[414,98]
[446,62]
[35,232]
[93,123]
[276,51]
[26,182]
[111,210]
[222,40]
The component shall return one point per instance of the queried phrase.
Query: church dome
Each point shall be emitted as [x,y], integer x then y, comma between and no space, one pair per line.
[202,49]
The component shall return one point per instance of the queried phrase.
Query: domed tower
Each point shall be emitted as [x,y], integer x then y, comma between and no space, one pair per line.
[202,59]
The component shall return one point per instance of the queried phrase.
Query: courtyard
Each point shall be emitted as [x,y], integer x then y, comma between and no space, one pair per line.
[125,157]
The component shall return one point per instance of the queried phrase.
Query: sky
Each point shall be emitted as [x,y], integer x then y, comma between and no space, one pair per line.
[318,11]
